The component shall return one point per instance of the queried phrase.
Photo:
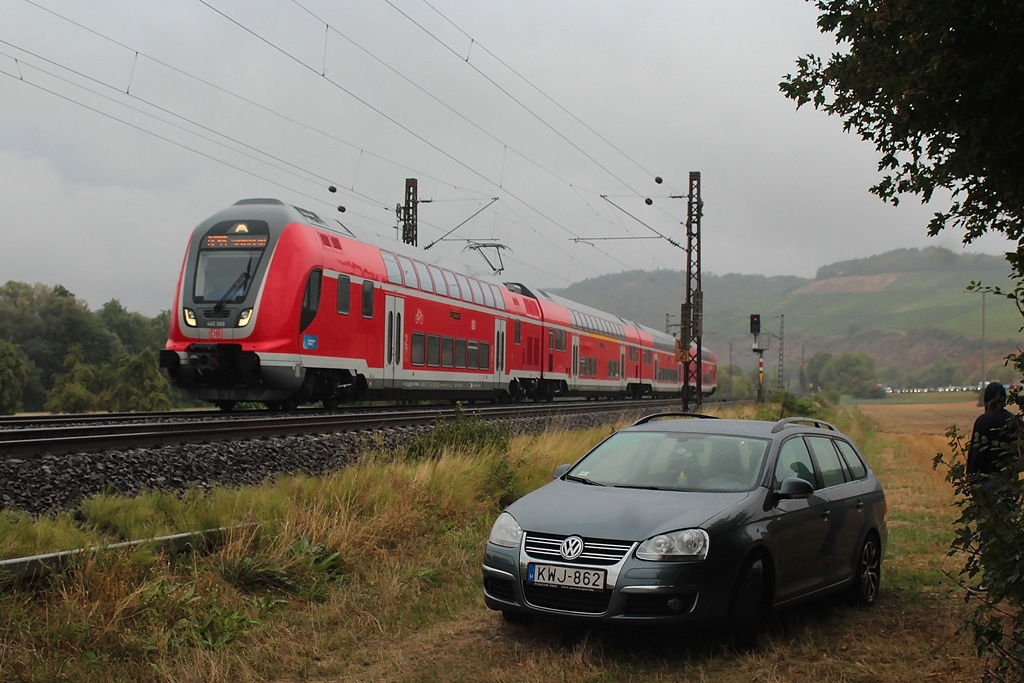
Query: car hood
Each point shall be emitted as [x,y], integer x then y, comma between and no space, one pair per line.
[565,507]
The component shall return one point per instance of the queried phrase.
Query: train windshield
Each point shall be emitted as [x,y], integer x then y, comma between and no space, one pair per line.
[228,258]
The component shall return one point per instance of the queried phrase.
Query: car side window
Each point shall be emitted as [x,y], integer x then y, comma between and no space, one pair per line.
[794,461]
[853,461]
[832,471]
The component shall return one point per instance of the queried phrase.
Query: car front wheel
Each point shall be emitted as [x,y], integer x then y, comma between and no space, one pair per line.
[746,605]
[868,578]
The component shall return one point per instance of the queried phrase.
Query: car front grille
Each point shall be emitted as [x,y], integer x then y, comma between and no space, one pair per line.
[595,551]
[567,599]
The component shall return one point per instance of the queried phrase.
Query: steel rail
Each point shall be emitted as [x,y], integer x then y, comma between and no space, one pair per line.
[71,438]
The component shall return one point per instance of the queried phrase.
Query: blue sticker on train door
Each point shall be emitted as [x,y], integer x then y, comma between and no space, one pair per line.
[309,342]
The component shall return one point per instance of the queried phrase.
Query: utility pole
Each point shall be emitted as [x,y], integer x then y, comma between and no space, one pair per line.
[407,214]
[691,316]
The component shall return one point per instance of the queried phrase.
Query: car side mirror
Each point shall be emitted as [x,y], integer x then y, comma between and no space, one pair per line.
[560,470]
[795,487]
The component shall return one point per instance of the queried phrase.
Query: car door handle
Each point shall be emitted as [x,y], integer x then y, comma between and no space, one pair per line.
[860,505]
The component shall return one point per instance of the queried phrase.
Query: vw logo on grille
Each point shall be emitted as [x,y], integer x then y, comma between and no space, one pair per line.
[571,548]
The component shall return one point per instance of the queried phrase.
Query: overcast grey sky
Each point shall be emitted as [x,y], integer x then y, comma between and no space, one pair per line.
[124,124]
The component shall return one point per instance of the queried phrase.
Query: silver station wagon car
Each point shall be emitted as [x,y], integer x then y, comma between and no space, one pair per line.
[684,517]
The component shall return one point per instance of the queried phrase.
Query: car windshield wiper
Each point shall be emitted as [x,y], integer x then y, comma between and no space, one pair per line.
[645,487]
[244,277]
[584,480]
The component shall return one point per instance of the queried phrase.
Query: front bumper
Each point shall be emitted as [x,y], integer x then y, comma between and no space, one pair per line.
[639,590]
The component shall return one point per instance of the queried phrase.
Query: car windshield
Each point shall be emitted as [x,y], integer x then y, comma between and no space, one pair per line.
[673,460]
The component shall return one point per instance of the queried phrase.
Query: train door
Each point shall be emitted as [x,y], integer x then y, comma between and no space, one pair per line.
[394,310]
[623,380]
[499,353]
[574,370]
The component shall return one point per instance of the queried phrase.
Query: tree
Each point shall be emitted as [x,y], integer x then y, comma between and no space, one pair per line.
[134,330]
[14,377]
[850,373]
[139,385]
[935,86]
[74,389]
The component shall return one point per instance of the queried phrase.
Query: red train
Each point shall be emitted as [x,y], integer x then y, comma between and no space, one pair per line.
[275,305]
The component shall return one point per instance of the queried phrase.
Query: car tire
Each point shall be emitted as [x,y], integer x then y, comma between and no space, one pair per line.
[746,605]
[868,577]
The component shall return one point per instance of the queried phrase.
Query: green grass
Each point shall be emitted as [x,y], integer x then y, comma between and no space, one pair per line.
[373,573]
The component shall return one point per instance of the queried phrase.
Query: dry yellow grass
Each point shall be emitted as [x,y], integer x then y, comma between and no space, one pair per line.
[411,609]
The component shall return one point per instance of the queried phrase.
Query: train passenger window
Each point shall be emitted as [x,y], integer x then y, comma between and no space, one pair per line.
[425,283]
[471,355]
[478,295]
[419,343]
[409,271]
[367,298]
[344,294]
[518,336]
[391,266]
[447,351]
[551,339]
[485,356]
[433,350]
[311,299]
[499,300]
[453,286]
[467,293]
[460,353]
[439,284]
[488,295]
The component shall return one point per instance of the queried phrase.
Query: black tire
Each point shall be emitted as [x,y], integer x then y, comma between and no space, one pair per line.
[868,578]
[746,606]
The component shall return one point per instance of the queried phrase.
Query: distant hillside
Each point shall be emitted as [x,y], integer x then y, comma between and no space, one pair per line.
[908,306]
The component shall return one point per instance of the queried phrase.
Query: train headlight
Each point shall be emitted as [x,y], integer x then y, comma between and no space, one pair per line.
[244,317]
[190,317]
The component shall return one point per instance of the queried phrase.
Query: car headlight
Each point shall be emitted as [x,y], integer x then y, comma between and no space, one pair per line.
[675,545]
[506,531]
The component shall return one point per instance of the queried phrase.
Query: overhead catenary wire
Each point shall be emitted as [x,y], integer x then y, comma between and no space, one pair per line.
[136,56]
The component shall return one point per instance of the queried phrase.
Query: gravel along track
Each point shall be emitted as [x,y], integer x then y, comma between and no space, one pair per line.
[52,483]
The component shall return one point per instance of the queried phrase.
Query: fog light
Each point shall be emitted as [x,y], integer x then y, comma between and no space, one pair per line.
[675,604]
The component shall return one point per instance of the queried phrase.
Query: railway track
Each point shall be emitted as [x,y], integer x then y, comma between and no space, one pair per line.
[34,437]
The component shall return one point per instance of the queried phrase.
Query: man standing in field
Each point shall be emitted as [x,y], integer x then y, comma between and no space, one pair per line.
[987,460]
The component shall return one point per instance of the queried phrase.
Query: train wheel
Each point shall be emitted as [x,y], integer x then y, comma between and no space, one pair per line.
[226,406]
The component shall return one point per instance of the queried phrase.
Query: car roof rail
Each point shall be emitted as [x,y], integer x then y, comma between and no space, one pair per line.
[808,421]
[660,416]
